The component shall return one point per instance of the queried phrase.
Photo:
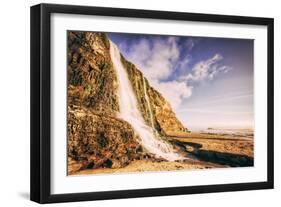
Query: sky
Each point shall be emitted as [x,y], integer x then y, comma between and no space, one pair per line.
[207,81]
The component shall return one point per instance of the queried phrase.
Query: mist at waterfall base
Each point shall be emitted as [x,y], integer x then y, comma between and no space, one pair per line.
[129,112]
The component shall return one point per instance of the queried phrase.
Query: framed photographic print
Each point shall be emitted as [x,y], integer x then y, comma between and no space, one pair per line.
[132,103]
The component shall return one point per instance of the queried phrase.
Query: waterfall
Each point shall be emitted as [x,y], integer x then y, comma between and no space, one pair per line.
[129,111]
[148,103]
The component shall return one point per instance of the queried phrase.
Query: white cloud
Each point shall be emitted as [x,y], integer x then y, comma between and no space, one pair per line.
[155,58]
[207,69]
[158,59]
[174,91]
[140,53]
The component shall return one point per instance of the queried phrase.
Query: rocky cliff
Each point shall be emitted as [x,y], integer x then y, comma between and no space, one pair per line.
[164,119]
[96,136]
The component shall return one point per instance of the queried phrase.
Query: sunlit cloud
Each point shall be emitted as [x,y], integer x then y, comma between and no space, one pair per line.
[207,81]
[174,91]
[155,59]
[160,58]
[207,69]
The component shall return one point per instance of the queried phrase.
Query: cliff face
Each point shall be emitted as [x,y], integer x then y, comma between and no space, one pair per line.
[96,136]
[95,141]
[91,78]
[164,119]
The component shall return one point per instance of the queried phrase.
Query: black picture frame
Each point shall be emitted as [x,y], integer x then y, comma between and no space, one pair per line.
[41,96]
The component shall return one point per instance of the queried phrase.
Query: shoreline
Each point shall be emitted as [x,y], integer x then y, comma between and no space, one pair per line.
[207,151]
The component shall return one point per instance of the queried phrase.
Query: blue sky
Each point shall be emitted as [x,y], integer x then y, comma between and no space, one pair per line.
[207,81]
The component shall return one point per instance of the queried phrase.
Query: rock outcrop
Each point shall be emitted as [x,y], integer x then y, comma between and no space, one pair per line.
[164,119]
[91,78]
[96,136]
[95,140]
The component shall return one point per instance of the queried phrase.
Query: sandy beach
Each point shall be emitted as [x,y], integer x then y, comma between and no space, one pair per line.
[203,151]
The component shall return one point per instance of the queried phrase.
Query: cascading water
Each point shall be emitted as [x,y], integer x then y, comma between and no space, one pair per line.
[148,103]
[129,112]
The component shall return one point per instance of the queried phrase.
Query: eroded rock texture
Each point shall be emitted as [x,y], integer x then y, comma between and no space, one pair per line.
[96,136]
